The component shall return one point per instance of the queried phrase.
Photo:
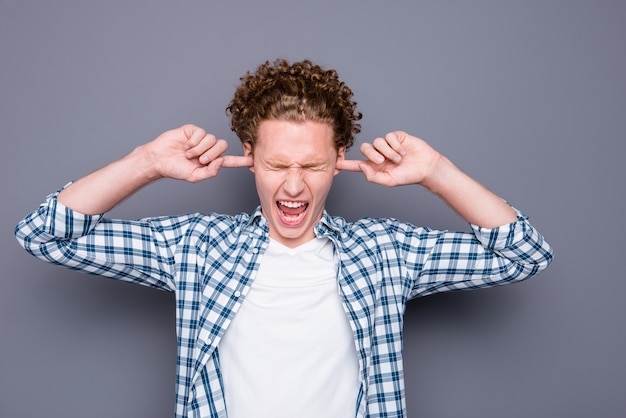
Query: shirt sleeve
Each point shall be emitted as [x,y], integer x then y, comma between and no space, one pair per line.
[134,251]
[484,258]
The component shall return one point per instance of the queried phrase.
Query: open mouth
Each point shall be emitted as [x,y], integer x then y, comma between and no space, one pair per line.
[292,213]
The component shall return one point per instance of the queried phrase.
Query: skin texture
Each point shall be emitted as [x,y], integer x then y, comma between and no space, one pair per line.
[294,163]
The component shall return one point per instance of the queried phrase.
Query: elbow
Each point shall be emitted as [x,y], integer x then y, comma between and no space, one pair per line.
[545,256]
[535,256]
[22,238]
[540,262]
[547,260]
[32,238]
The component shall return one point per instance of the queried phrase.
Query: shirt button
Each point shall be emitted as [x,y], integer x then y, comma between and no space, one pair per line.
[255,250]
[237,293]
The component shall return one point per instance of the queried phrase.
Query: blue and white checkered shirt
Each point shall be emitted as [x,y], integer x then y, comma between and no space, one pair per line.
[209,262]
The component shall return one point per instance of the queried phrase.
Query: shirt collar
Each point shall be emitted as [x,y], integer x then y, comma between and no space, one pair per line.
[327,226]
[256,221]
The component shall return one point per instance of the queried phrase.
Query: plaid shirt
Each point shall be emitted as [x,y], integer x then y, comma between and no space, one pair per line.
[209,262]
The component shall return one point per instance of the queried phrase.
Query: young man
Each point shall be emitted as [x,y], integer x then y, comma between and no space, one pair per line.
[287,311]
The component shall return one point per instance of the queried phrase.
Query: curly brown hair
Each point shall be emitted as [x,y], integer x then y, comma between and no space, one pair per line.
[295,92]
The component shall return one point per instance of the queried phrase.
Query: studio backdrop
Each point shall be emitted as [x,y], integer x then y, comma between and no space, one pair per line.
[529,97]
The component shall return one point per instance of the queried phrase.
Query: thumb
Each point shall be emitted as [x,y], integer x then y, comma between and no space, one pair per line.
[206,172]
[368,172]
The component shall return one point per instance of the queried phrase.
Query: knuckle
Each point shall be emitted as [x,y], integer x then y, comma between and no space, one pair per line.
[365,147]
[379,142]
[195,130]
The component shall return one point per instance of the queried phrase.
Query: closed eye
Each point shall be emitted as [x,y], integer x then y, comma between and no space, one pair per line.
[315,168]
[308,167]
[275,167]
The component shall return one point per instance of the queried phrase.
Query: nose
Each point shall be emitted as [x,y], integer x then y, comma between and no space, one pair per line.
[294,183]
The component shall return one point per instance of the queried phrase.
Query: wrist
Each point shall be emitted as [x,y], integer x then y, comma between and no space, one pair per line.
[143,165]
[441,173]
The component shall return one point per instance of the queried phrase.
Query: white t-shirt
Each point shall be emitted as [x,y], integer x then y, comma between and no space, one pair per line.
[289,351]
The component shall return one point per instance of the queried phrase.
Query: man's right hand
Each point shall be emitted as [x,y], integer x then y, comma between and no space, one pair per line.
[186,153]
[189,153]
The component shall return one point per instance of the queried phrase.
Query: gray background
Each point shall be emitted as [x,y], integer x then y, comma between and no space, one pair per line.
[527,96]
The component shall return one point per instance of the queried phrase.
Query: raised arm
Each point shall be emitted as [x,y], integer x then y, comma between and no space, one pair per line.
[186,153]
[137,251]
[402,159]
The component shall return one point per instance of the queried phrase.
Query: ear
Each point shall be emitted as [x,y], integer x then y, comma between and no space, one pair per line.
[341,155]
[247,151]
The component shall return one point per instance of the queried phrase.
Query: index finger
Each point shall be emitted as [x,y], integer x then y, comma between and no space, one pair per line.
[235,161]
[349,165]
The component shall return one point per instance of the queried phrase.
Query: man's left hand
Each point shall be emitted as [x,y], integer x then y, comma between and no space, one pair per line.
[394,160]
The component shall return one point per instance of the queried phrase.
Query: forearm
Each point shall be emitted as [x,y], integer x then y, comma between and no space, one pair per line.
[402,159]
[103,189]
[470,199]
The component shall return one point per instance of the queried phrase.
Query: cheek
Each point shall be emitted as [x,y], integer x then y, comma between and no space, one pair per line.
[320,182]
[267,183]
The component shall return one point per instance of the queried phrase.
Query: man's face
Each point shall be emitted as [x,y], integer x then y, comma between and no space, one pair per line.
[294,166]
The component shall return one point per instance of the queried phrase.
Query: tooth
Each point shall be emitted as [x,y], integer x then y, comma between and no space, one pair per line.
[291,204]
